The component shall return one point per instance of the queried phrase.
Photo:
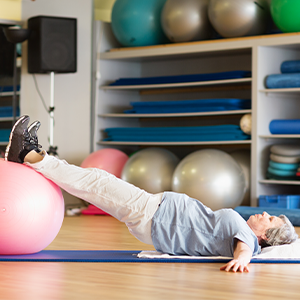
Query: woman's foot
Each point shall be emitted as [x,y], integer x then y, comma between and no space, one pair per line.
[21,142]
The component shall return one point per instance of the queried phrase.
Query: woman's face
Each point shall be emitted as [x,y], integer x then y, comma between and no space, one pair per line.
[260,223]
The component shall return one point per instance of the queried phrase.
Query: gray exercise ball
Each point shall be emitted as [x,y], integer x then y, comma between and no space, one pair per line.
[211,176]
[243,158]
[235,18]
[186,20]
[151,169]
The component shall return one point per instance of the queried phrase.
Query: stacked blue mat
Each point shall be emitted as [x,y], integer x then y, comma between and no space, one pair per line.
[188,106]
[4,135]
[8,88]
[7,111]
[182,78]
[176,134]
[289,77]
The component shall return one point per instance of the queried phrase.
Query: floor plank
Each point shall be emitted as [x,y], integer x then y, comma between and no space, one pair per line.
[26,280]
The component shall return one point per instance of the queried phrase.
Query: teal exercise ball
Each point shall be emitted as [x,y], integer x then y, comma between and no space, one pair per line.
[137,22]
[285,14]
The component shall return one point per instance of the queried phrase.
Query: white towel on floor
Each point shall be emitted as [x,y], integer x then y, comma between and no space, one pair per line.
[275,252]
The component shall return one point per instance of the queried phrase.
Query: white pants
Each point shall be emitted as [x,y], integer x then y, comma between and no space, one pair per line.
[122,200]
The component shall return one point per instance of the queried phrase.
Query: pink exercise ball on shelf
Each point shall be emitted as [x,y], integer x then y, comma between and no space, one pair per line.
[31,209]
[108,159]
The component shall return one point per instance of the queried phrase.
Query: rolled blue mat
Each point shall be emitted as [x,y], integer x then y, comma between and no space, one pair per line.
[285,126]
[277,81]
[290,66]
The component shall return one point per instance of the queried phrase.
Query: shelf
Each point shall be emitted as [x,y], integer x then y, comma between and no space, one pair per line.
[280,136]
[282,182]
[10,22]
[285,90]
[247,142]
[6,119]
[199,48]
[175,85]
[5,94]
[175,115]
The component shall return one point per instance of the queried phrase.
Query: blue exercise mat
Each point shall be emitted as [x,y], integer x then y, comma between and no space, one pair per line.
[182,78]
[7,111]
[285,126]
[277,81]
[4,135]
[290,66]
[8,88]
[104,256]
[203,105]
[176,134]
[292,214]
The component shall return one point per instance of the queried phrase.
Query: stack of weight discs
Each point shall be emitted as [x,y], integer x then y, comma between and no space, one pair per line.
[284,162]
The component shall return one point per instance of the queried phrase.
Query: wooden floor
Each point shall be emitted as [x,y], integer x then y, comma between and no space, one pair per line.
[42,281]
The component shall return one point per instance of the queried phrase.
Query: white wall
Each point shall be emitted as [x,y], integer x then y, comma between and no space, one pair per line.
[72,91]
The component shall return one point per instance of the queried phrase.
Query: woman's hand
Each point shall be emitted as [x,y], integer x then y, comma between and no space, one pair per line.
[241,259]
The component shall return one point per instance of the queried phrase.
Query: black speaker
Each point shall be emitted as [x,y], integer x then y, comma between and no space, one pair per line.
[6,56]
[52,45]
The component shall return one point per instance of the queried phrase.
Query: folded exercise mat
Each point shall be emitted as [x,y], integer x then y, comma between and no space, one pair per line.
[290,66]
[292,214]
[4,135]
[7,111]
[8,88]
[203,105]
[277,81]
[182,78]
[176,134]
[282,255]
[285,126]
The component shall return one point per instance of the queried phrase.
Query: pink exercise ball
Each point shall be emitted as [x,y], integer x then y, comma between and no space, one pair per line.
[108,159]
[31,209]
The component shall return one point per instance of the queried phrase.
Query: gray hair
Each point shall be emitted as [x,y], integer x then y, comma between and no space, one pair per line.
[284,234]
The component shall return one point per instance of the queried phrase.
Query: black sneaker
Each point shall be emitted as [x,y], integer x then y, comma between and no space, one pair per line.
[20,141]
[32,129]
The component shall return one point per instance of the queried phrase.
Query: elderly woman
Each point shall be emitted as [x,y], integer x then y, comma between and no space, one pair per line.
[174,223]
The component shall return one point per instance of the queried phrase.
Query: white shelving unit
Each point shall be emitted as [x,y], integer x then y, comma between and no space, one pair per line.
[262,55]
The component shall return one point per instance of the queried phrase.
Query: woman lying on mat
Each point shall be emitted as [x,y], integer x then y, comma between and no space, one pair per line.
[172,222]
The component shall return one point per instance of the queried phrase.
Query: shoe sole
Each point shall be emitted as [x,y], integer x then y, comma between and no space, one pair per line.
[11,136]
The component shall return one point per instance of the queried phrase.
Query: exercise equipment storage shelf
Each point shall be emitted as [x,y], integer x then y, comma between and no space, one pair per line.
[280,182]
[262,55]
[175,115]
[246,142]
[285,90]
[175,85]
[280,136]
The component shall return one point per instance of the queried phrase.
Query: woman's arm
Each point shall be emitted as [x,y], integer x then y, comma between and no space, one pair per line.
[241,258]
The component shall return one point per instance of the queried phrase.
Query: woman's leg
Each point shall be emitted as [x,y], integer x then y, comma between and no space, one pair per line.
[124,201]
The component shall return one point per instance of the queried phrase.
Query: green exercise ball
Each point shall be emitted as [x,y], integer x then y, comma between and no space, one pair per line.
[285,14]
